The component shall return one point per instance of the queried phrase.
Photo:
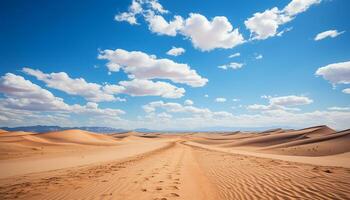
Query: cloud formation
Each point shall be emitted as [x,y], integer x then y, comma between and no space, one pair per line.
[176,51]
[281,103]
[61,81]
[329,33]
[141,87]
[140,65]
[204,34]
[220,100]
[263,25]
[232,65]
[207,35]
[336,73]
[21,94]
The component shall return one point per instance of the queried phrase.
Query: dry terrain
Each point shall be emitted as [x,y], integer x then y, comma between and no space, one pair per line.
[310,163]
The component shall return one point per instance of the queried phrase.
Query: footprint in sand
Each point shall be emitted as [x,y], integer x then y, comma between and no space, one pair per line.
[174,195]
[172,187]
[159,188]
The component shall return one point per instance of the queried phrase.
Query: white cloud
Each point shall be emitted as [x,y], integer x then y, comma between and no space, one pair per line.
[204,34]
[207,35]
[157,24]
[258,57]
[152,107]
[291,100]
[130,16]
[234,55]
[298,6]
[336,73]
[281,103]
[61,81]
[263,25]
[235,100]
[188,102]
[23,95]
[336,108]
[157,6]
[346,91]
[139,87]
[202,117]
[140,65]
[206,95]
[96,93]
[232,65]
[140,7]
[176,51]
[329,33]
[220,100]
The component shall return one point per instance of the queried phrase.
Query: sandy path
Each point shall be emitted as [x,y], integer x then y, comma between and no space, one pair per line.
[69,159]
[168,173]
[180,171]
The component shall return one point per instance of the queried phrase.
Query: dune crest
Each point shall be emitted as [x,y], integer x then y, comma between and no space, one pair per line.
[74,164]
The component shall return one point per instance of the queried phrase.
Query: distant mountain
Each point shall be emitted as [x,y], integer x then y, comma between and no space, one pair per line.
[231,129]
[43,129]
[97,129]
[145,130]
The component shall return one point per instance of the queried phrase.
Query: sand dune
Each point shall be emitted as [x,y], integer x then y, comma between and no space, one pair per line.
[2,131]
[78,137]
[327,144]
[311,163]
[274,138]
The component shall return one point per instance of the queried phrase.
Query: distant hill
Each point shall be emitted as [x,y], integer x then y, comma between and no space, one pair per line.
[43,129]
[97,129]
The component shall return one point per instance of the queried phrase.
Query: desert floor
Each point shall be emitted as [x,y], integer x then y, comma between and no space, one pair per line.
[311,163]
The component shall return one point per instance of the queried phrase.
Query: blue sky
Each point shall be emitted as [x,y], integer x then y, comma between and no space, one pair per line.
[293,68]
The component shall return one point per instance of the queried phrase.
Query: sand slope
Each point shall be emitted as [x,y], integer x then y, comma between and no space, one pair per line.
[77,164]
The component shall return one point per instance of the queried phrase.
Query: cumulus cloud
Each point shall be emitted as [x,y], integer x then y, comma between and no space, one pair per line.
[291,100]
[336,73]
[281,103]
[140,65]
[157,24]
[176,51]
[346,91]
[61,81]
[189,117]
[263,25]
[23,95]
[204,34]
[139,87]
[232,65]
[170,107]
[130,16]
[96,93]
[220,100]
[329,33]
[140,7]
[207,35]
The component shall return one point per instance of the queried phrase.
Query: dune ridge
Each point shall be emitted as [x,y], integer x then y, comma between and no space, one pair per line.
[74,164]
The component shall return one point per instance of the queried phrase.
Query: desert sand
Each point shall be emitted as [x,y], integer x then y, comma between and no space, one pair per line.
[310,163]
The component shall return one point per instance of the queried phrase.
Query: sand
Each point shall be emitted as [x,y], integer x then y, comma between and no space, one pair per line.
[311,163]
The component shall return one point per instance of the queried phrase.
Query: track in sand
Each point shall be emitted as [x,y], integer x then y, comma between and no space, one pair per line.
[180,171]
